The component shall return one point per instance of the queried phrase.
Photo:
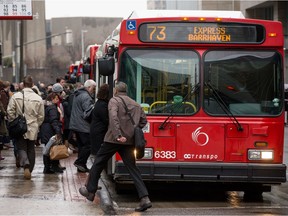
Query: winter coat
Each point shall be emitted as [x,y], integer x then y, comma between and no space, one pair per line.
[33,111]
[67,106]
[82,101]
[119,121]
[4,98]
[99,124]
[3,128]
[52,124]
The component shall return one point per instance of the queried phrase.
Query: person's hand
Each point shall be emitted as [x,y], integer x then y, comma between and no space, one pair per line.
[121,139]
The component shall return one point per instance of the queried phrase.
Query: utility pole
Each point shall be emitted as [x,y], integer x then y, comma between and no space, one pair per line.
[21,66]
[82,42]
[1,67]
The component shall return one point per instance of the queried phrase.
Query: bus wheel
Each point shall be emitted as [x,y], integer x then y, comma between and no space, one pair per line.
[118,188]
[253,195]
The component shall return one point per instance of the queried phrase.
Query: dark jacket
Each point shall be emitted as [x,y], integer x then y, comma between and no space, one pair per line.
[52,124]
[67,106]
[82,101]
[4,98]
[99,125]
[119,121]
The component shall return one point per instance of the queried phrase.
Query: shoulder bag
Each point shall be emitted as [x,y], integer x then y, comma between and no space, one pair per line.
[58,150]
[18,127]
[139,138]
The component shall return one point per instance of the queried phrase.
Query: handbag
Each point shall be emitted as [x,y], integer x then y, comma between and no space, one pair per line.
[18,127]
[139,139]
[58,152]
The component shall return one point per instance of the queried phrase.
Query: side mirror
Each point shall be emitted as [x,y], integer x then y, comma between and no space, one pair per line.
[86,68]
[106,66]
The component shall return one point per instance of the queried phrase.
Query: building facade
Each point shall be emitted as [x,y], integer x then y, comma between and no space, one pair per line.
[33,43]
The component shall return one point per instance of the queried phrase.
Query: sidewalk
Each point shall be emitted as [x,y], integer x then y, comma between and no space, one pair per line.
[50,194]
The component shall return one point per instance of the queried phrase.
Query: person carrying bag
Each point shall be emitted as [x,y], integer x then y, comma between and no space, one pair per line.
[51,134]
[139,139]
[18,126]
[120,138]
[34,114]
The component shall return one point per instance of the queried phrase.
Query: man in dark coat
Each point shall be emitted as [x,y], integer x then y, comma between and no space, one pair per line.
[120,138]
[83,101]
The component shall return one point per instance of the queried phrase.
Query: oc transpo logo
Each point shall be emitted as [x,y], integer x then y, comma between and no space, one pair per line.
[197,137]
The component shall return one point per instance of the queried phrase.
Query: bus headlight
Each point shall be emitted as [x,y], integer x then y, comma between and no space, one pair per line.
[256,154]
[148,153]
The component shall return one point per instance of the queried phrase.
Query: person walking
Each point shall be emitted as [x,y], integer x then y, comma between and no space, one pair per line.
[100,120]
[50,127]
[34,113]
[83,100]
[4,99]
[119,138]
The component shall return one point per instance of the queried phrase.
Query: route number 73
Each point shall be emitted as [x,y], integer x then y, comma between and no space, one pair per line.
[157,32]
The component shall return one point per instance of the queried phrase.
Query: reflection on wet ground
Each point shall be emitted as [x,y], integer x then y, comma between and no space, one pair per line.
[50,194]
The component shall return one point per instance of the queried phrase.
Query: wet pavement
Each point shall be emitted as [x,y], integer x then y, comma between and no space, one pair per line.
[46,194]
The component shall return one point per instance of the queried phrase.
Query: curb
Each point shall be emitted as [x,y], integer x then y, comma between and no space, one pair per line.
[105,199]
[106,203]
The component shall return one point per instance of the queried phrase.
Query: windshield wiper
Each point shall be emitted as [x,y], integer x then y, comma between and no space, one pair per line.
[224,107]
[172,113]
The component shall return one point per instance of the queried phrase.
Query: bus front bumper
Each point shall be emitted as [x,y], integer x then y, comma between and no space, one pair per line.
[206,172]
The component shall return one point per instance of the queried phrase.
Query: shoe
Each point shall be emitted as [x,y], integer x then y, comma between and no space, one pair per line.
[27,174]
[17,163]
[56,169]
[81,168]
[1,167]
[84,192]
[78,170]
[145,203]
[48,171]
[61,167]
[2,158]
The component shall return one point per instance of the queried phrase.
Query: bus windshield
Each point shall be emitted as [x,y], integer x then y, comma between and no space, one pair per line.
[163,81]
[247,82]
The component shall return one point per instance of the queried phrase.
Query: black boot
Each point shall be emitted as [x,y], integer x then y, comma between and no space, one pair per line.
[47,165]
[145,203]
[55,166]
[48,170]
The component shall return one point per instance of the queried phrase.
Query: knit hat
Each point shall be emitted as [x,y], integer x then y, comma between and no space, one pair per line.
[57,88]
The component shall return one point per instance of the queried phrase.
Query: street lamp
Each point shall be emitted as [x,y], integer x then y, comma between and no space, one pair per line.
[82,42]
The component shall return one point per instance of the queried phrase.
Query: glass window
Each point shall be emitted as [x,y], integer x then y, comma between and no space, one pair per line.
[162,81]
[243,83]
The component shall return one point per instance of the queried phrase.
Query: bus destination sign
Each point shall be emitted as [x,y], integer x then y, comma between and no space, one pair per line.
[177,32]
[20,9]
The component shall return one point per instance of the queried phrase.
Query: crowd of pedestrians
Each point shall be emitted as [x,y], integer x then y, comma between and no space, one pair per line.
[91,127]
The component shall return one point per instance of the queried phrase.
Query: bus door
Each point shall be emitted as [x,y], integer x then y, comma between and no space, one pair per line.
[200,142]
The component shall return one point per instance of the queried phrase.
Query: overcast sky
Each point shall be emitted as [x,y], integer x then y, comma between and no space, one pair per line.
[92,8]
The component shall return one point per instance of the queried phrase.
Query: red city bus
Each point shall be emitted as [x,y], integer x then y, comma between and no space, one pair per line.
[212,88]
[89,65]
